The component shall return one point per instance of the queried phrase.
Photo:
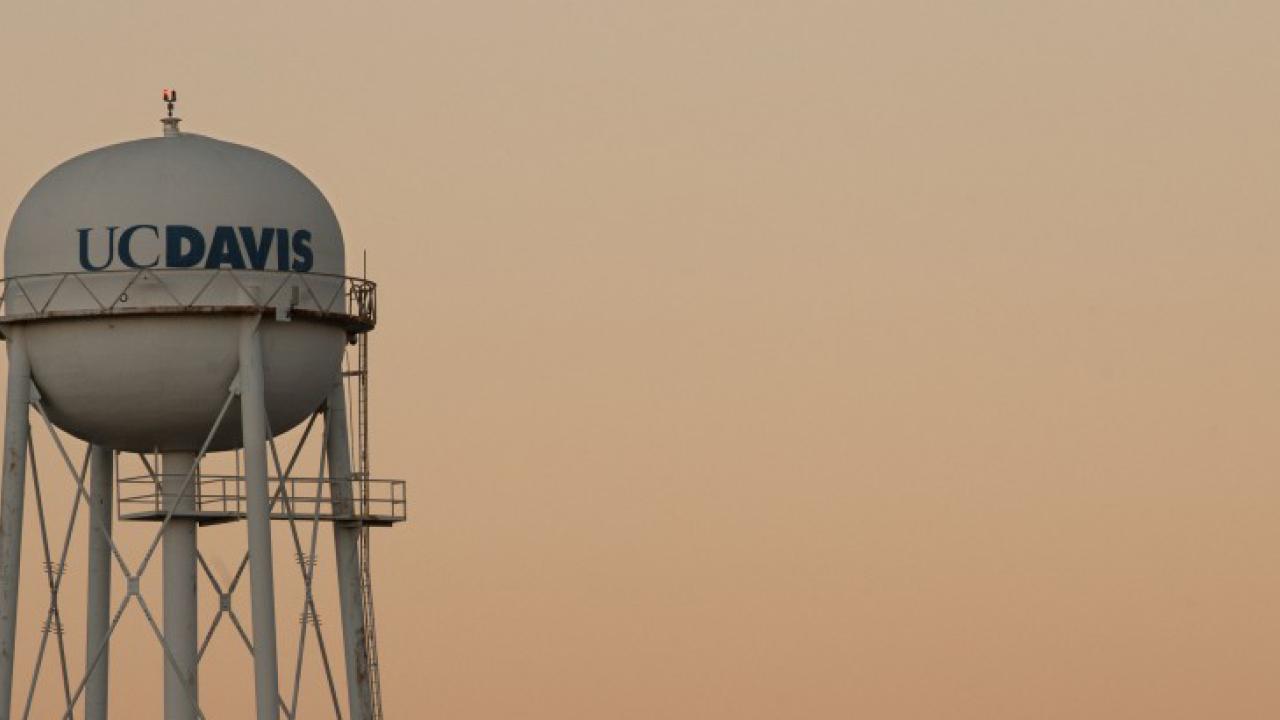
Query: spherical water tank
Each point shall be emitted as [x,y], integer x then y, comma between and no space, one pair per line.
[131,269]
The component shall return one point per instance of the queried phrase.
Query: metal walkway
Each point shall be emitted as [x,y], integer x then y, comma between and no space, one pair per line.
[221,498]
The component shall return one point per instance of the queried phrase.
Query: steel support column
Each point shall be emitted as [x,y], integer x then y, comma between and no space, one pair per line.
[346,537]
[253,420]
[17,433]
[98,605]
[180,587]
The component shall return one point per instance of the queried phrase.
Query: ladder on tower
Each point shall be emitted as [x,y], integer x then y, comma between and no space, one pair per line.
[366,569]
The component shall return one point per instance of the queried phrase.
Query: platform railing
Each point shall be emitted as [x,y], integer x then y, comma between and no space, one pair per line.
[373,500]
[168,290]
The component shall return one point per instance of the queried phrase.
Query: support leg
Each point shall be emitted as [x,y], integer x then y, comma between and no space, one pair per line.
[253,419]
[345,539]
[180,588]
[17,430]
[98,605]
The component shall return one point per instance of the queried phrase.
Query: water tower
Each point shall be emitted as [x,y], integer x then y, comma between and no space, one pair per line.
[176,298]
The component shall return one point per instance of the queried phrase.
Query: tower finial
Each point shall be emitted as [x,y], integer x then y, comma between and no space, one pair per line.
[170,123]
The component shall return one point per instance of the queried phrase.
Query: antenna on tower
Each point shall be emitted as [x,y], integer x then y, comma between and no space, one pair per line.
[170,123]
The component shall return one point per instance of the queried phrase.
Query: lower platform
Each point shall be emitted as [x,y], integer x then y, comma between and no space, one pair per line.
[221,498]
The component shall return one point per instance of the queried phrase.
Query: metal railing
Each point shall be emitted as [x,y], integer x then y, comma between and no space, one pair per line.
[377,501]
[175,290]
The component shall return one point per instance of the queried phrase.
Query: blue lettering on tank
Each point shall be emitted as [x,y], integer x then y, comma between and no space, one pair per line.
[257,249]
[183,246]
[126,251]
[224,249]
[238,247]
[302,248]
[84,248]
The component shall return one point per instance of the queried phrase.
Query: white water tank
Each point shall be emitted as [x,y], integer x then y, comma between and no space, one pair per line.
[132,267]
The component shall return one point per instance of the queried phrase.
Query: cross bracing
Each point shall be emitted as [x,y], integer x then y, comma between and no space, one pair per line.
[303,503]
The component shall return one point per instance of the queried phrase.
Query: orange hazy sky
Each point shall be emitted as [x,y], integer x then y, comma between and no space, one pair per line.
[758,360]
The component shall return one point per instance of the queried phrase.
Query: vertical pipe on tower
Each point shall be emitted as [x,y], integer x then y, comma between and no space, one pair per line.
[17,432]
[98,604]
[253,420]
[346,536]
[180,586]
